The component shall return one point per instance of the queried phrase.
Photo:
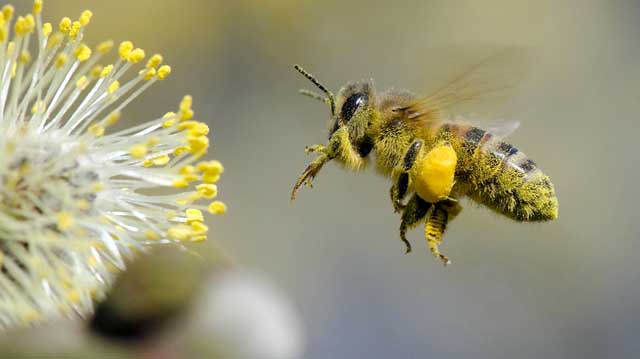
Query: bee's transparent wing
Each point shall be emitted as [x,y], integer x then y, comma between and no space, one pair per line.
[478,91]
[498,129]
[501,129]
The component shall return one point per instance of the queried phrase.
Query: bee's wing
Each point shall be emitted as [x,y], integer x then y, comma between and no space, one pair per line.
[488,83]
[501,129]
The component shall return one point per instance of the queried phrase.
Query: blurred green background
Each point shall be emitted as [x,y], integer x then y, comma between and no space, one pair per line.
[566,289]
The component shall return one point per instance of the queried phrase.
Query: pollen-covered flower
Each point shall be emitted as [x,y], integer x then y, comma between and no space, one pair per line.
[76,196]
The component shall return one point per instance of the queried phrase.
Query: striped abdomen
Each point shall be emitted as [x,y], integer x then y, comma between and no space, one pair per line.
[498,175]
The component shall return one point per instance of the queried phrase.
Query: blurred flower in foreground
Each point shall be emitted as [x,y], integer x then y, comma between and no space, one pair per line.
[76,198]
[207,309]
[242,315]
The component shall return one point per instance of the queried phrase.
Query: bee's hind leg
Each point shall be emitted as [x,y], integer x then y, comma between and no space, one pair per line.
[414,212]
[442,212]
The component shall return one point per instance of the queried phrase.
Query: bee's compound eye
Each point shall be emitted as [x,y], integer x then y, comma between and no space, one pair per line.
[352,104]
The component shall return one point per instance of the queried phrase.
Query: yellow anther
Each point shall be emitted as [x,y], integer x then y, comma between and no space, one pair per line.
[180,183]
[153,141]
[186,115]
[194,128]
[31,21]
[151,235]
[106,71]
[55,40]
[186,103]
[200,129]
[65,221]
[115,85]
[186,125]
[136,55]
[85,17]
[73,296]
[194,215]
[3,34]
[187,170]
[168,123]
[160,160]
[180,233]
[24,25]
[169,115]
[208,191]
[97,187]
[20,25]
[190,177]
[82,52]
[25,57]
[154,61]
[199,228]
[197,239]
[210,167]
[61,59]
[7,12]
[37,6]
[11,48]
[96,70]
[148,74]
[96,129]
[47,29]
[113,118]
[217,207]
[138,151]
[163,72]
[65,25]
[82,83]
[38,107]
[83,204]
[105,46]
[31,316]
[75,29]
[210,178]
[180,150]
[192,197]
[125,49]
[198,143]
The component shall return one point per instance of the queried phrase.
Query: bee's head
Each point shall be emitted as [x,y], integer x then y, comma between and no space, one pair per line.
[353,107]
[355,101]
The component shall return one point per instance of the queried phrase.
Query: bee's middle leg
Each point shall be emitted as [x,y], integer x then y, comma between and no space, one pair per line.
[399,191]
[400,188]
[414,212]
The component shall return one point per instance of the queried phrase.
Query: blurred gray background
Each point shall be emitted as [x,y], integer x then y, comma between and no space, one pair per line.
[566,289]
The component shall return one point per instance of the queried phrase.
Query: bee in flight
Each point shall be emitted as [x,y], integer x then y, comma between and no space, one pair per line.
[430,157]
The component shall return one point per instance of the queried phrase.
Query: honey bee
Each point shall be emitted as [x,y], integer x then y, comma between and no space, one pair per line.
[429,156]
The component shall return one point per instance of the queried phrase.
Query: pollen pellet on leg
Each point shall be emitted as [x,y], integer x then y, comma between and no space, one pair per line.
[433,173]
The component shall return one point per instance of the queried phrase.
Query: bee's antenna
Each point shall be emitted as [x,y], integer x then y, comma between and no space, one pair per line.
[331,100]
[313,95]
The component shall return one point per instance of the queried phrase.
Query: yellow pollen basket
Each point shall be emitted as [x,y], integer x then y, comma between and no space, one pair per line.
[433,174]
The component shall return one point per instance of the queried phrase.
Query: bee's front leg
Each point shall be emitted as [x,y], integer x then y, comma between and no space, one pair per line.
[315,149]
[341,148]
